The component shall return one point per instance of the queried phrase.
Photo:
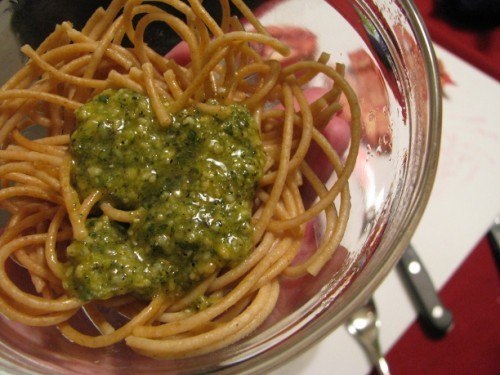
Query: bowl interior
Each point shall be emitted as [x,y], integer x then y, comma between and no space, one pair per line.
[390,64]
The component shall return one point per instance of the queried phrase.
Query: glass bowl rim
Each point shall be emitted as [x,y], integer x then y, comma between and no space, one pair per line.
[325,324]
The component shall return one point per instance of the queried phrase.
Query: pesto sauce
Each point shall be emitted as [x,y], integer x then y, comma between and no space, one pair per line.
[194,181]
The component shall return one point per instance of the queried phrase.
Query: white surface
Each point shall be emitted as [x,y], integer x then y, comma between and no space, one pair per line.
[463,203]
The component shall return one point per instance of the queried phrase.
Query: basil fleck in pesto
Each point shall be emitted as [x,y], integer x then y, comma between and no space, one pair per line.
[194,182]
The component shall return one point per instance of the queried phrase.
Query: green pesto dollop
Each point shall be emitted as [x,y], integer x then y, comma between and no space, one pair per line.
[193,181]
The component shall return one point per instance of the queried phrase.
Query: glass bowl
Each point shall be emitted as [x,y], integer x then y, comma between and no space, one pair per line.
[390,61]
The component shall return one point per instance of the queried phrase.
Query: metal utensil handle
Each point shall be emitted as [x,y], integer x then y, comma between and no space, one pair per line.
[494,240]
[426,298]
[377,359]
[363,325]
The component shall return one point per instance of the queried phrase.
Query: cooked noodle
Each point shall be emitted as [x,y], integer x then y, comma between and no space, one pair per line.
[66,71]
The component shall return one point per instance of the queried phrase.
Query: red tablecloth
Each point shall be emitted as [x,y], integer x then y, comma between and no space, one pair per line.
[479,48]
[473,345]
[473,292]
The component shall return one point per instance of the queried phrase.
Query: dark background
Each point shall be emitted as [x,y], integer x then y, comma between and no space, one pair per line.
[34,20]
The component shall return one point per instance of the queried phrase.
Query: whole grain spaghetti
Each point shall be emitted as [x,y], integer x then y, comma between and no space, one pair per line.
[72,67]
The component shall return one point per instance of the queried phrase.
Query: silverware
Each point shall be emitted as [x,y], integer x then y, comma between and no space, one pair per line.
[437,319]
[364,326]
[494,240]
